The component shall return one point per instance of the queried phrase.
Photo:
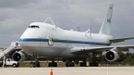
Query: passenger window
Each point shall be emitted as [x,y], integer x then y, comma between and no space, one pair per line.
[33,26]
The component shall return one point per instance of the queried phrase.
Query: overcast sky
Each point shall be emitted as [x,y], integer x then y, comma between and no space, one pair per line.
[16,15]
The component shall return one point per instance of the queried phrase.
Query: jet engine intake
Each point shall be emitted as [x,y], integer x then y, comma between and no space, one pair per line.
[18,56]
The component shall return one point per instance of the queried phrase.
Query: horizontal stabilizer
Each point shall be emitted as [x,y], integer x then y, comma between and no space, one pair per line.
[121,39]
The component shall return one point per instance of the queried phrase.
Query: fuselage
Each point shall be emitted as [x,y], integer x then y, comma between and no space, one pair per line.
[51,41]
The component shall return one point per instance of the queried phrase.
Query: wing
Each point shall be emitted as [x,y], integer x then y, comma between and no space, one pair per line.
[121,39]
[81,50]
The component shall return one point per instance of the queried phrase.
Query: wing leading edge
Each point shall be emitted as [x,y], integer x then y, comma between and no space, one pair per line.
[81,50]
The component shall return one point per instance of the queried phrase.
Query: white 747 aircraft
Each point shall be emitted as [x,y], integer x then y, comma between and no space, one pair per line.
[52,42]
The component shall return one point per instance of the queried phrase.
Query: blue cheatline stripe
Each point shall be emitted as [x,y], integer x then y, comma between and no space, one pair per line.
[59,41]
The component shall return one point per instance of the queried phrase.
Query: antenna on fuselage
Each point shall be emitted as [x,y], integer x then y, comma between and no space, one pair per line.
[49,20]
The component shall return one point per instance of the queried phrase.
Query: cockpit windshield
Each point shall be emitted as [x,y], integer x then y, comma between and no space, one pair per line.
[33,26]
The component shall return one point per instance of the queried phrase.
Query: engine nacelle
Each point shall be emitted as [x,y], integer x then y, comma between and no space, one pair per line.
[18,56]
[111,55]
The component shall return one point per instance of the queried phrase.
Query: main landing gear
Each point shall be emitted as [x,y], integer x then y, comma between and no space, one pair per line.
[35,63]
[94,62]
[69,63]
[83,64]
[52,64]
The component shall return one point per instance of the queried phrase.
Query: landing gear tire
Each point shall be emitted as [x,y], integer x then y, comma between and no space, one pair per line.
[83,64]
[52,64]
[35,64]
[15,65]
[69,64]
[94,64]
[1,64]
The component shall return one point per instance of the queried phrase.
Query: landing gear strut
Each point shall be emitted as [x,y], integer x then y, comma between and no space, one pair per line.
[35,63]
[83,64]
[93,60]
[69,63]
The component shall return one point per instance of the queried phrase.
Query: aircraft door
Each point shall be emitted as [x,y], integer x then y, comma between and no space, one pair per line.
[50,41]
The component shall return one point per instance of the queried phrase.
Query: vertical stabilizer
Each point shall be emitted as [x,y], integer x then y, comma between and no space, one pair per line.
[105,28]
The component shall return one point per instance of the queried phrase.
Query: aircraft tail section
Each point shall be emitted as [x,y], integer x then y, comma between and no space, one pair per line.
[105,28]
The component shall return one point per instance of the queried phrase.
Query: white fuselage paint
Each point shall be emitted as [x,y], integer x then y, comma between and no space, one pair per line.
[51,41]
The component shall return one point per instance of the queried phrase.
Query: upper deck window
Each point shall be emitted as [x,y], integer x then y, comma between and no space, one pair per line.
[33,26]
